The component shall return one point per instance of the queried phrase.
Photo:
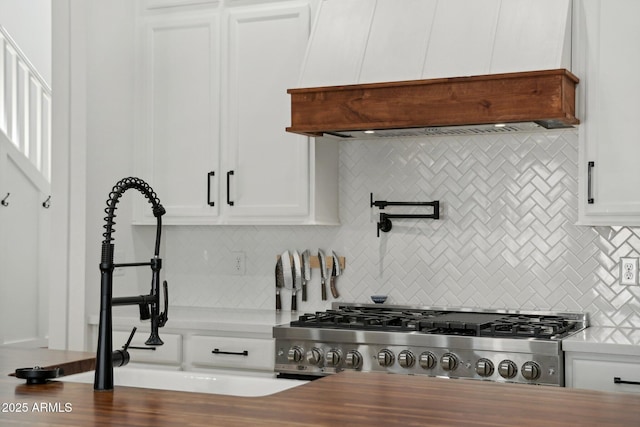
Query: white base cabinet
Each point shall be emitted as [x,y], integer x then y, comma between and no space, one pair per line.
[213,108]
[607,63]
[599,371]
[229,353]
[201,350]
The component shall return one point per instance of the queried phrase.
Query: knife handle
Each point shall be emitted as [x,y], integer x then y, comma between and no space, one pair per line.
[304,291]
[334,291]
[294,301]
[324,290]
[278,301]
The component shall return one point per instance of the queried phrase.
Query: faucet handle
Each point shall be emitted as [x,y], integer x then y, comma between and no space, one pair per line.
[126,345]
[164,316]
[121,357]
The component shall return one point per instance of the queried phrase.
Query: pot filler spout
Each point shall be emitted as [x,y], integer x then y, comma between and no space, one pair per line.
[149,304]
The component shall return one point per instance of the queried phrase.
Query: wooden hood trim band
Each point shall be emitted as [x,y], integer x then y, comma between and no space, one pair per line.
[546,97]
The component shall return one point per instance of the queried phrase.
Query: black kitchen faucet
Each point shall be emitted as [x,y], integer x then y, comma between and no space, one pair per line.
[149,305]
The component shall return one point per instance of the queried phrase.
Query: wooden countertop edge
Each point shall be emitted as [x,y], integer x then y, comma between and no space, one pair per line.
[71,362]
[69,368]
[355,398]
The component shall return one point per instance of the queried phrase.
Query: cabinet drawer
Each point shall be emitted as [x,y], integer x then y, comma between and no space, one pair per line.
[168,353]
[231,352]
[597,374]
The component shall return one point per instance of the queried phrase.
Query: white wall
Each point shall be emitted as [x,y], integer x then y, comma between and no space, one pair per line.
[93,148]
[506,237]
[110,104]
[29,24]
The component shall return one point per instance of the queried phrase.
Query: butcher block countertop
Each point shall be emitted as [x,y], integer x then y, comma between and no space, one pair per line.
[348,398]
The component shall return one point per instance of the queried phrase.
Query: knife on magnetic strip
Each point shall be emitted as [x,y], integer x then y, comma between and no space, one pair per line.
[323,274]
[335,272]
[279,284]
[287,272]
[297,279]
[306,272]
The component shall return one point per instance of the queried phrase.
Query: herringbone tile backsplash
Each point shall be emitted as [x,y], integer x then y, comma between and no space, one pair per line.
[505,238]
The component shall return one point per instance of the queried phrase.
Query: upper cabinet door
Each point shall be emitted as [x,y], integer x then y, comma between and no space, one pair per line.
[179,79]
[263,55]
[212,114]
[607,60]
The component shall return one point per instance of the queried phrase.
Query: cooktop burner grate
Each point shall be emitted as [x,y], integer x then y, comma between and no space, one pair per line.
[440,322]
[546,327]
[373,319]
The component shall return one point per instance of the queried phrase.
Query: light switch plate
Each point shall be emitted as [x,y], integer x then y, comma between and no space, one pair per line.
[628,271]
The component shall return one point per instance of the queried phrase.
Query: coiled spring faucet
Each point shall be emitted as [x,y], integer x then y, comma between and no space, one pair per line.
[149,305]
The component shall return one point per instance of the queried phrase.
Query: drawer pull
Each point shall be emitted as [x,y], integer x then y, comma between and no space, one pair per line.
[236,353]
[617,380]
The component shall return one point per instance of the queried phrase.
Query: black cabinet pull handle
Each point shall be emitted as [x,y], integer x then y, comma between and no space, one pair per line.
[235,353]
[209,201]
[590,166]
[617,380]
[229,201]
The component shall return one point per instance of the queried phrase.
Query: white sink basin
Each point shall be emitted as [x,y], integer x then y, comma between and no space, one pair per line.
[214,383]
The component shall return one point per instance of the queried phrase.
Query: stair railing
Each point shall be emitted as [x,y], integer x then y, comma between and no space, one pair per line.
[25,105]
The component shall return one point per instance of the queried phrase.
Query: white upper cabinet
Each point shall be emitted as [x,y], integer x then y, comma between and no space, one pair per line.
[270,166]
[179,115]
[607,62]
[213,112]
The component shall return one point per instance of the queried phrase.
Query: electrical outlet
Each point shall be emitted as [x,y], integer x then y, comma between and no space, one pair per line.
[238,266]
[628,271]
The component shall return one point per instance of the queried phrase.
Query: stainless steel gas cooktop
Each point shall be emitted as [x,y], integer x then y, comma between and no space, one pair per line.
[495,345]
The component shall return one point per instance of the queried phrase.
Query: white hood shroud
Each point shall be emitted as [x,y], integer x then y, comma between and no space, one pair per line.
[370,41]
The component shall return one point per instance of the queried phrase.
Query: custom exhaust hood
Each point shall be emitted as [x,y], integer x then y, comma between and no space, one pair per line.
[466,105]
[386,68]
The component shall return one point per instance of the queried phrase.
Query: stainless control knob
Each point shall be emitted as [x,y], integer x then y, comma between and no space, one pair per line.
[314,356]
[385,357]
[449,361]
[295,354]
[333,357]
[353,360]
[531,370]
[406,359]
[428,360]
[507,369]
[484,367]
